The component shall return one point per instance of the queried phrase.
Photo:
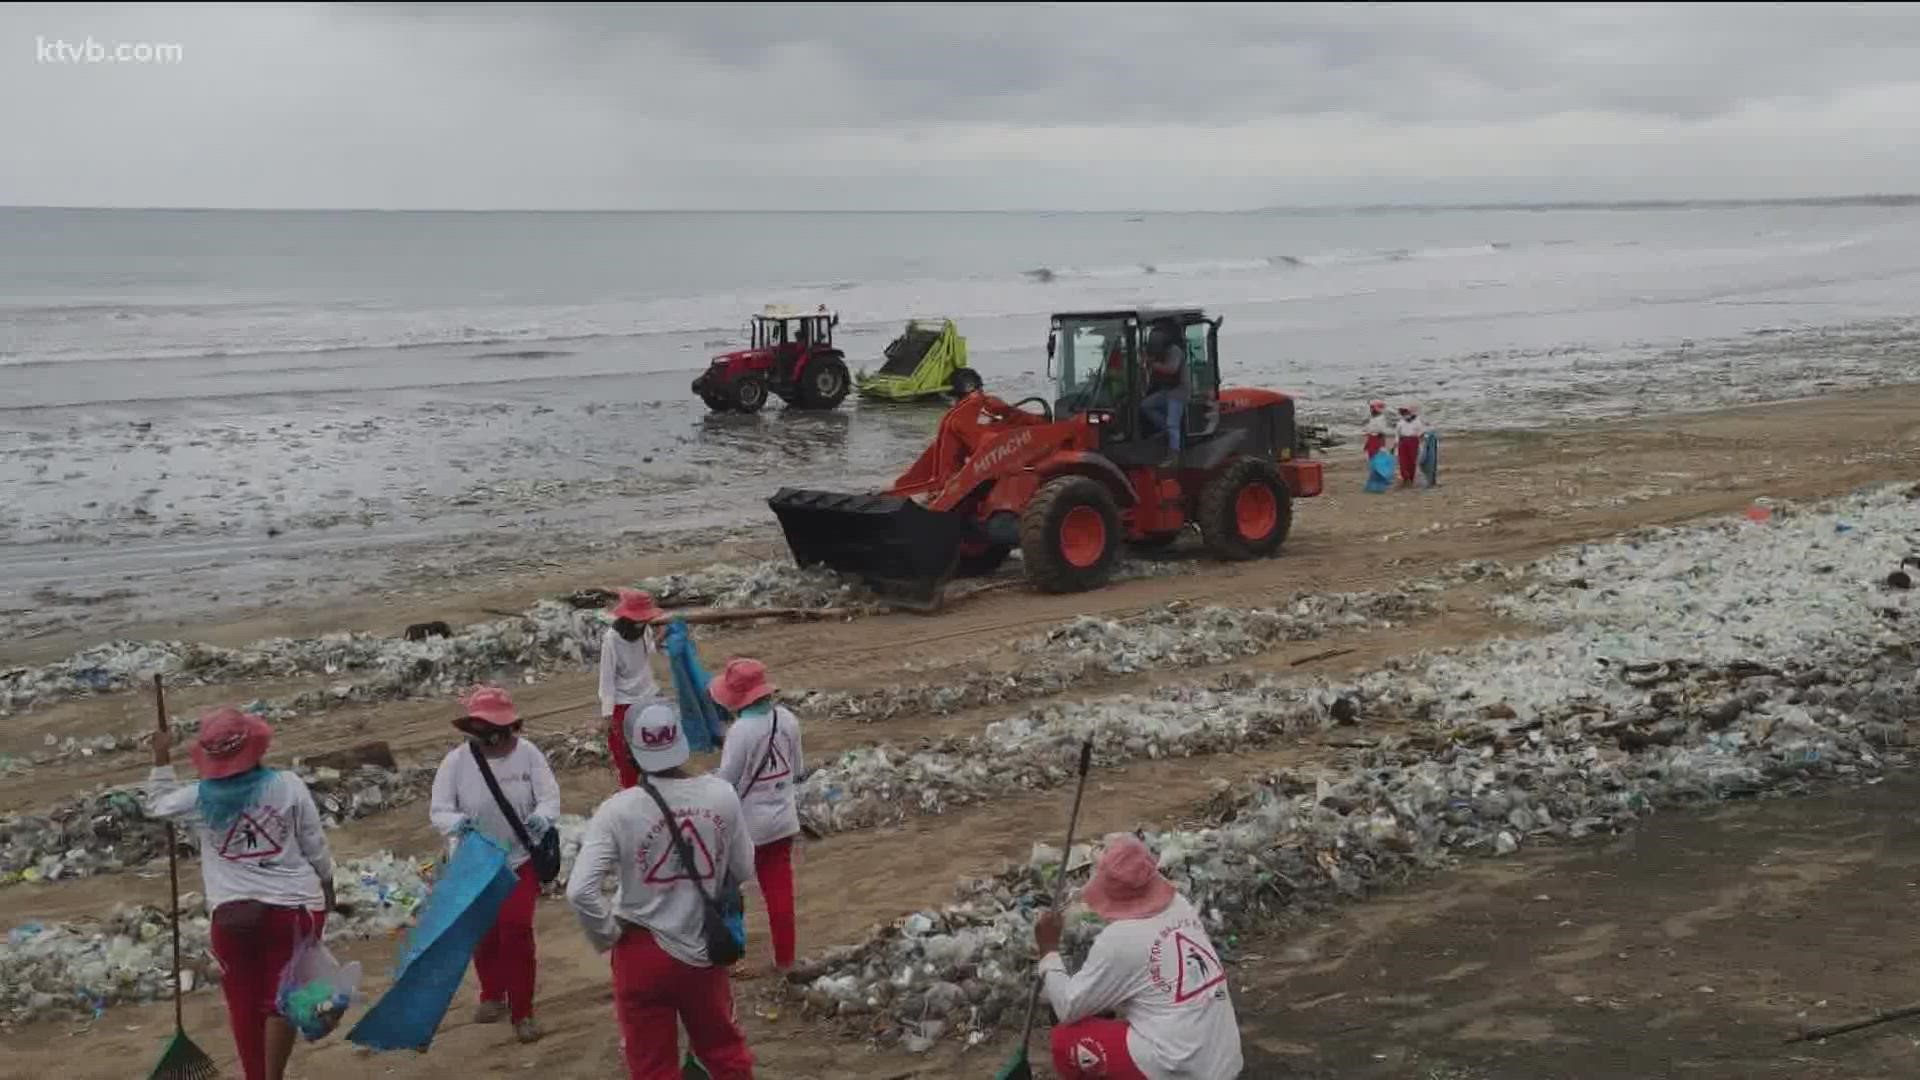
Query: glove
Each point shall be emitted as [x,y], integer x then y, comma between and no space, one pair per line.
[537,826]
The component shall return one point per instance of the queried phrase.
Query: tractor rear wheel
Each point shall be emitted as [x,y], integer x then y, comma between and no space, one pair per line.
[1070,535]
[824,384]
[965,381]
[1246,511]
[749,393]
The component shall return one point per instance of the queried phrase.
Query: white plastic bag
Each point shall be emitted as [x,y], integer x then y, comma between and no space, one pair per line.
[315,989]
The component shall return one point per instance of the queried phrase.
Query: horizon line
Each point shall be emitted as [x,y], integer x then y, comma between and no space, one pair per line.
[1862,199]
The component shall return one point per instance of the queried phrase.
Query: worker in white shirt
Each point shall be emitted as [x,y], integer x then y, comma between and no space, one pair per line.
[1378,429]
[266,866]
[1411,430]
[661,972]
[1151,1001]
[504,960]
[762,760]
[627,652]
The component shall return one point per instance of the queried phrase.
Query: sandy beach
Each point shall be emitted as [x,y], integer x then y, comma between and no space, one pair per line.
[1374,990]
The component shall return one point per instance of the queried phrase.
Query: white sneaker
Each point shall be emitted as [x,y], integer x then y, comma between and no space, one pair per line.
[528,1030]
[490,1012]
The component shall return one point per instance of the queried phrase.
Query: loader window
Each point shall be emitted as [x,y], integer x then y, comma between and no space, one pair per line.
[1093,361]
[1203,369]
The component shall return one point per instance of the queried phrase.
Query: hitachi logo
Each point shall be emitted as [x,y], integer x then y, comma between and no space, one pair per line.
[997,456]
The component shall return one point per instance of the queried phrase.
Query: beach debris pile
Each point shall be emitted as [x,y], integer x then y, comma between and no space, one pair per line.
[82,968]
[1670,681]
[548,634]
[766,584]
[1084,648]
[874,785]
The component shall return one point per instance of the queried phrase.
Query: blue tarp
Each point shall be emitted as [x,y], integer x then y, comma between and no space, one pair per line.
[462,907]
[702,717]
[1380,472]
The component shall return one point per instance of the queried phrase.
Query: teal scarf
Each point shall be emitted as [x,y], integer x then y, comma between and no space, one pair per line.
[221,801]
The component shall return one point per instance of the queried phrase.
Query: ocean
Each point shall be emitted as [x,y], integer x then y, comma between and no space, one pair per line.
[194,391]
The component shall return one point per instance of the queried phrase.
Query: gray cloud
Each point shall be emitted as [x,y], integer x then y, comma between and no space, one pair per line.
[997,105]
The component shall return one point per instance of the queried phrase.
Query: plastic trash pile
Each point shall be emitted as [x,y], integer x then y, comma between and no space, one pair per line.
[80,969]
[771,583]
[549,633]
[108,831]
[1668,683]
[1177,635]
[1082,649]
[875,785]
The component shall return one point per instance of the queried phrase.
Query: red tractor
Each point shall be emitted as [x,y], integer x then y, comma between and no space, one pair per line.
[1069,481]
[790,353]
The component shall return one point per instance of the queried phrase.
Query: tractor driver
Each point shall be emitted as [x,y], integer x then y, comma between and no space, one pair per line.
[1166,363]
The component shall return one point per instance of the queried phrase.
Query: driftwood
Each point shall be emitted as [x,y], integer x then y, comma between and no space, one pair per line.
[705,616]
[1841,1029]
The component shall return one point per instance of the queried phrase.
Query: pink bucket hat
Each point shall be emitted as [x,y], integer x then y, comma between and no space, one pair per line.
[636,605]
[741,683]
[230,743]
[1127,883]
[489,705]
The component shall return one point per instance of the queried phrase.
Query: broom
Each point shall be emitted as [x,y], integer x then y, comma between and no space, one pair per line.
[1017,1067]
[182,1060]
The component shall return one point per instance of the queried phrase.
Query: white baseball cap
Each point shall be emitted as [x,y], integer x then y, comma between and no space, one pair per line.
[656,738]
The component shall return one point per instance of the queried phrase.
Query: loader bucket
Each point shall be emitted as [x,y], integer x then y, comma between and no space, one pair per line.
[896,546]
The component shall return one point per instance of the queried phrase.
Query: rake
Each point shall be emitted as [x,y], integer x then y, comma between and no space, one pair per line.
[181,1060]
[1018,1067]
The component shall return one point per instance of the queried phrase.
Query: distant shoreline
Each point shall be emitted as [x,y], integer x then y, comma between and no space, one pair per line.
[1883,200]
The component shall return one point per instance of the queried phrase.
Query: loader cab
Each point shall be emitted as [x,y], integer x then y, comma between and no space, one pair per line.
[1098,368]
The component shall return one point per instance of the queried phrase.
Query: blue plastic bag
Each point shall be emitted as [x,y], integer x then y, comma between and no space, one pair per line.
[1380,472]
[461,909]
[702,717]
[1430,458]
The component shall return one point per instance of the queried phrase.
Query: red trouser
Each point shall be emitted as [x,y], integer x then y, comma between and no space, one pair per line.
[504,959]
[1409,457]
[617,747]
[1374,444]
[253,954]
[651,989]
[1094,1049]
[773,869]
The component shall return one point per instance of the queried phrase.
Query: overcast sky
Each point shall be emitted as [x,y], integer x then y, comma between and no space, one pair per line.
[988,107]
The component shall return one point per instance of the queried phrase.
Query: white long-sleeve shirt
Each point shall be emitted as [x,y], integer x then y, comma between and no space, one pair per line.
[275,852]
[460,794]
[1164,978]
[769,803]
[626,671]
[1412,427]
[627,836]
[1378,424]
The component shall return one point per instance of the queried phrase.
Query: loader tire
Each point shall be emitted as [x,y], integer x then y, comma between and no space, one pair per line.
[824,384]
[1070,535]
[1246,511]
